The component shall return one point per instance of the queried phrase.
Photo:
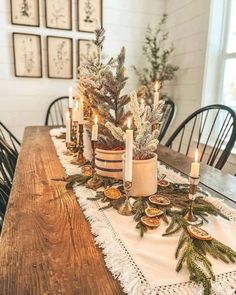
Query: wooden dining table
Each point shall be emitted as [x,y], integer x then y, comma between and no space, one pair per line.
[46,245]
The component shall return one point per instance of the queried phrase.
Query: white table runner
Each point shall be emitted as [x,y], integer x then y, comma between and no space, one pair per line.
[147,265]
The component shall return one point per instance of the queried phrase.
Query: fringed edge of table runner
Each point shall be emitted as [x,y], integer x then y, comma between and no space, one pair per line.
[117,258]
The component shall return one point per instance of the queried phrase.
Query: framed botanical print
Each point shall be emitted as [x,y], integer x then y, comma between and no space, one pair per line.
[58,14]
[86,50]
[60,57]
[89,15]
[25,12]
[27,52]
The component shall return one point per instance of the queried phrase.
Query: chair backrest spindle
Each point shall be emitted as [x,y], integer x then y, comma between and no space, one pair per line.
[168,116]
[213,131]
[56,112]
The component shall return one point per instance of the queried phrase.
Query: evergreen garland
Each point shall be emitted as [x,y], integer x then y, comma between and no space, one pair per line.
[194,252]
[190,250]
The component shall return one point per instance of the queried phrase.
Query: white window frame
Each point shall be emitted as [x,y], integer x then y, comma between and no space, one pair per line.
[216,55]
[224,56]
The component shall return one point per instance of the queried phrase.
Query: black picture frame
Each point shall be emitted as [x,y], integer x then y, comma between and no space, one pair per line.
[49,70]
[54,27]
[15,58]
[14,22]
[79,49]
[78,17]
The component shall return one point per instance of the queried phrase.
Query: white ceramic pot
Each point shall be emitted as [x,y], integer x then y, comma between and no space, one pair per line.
[109,163]
[144,181]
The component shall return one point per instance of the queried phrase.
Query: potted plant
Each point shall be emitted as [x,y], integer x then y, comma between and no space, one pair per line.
[144,182]
[101,84]
[157,53]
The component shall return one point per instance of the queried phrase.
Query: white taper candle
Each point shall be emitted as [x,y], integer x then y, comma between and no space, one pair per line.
[71,102]
[95,129]
[81,112]
[156,94]
[75,115]
[129,152]
[68,127]
[195,167]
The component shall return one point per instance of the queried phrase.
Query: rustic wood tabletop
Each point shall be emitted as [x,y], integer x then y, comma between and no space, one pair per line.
[46,246]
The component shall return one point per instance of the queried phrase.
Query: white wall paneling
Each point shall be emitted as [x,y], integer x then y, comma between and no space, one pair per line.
[188,22]
[24,101]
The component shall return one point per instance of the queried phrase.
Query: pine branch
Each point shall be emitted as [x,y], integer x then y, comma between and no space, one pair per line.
[157,54]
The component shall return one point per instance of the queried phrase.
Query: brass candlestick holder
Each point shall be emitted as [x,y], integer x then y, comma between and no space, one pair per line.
[74,132]
[126,208]
[154,126]
[80,159]
[93,142]
[69,149]
[189,216]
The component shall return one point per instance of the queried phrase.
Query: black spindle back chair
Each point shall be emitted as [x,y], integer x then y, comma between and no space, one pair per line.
[56,112]
[212,129]
[12,141]
[168,116]
[9,146]
[4,196]
[8,160]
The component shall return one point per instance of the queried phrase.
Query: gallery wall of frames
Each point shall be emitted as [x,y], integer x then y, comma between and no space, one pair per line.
[24,100]
[27,48]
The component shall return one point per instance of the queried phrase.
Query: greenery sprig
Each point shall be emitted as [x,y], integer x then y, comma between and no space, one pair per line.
[193,252]
[190,251]
[92,181]
[157,54]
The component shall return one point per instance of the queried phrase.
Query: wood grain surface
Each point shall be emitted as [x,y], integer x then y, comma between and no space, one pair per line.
[46,246]
[222,183]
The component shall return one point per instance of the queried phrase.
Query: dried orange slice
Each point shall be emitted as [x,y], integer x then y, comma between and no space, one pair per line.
[86,170]
[163,182]
[150,221]
[112,193]
[199,233]
[153,212]
[159,200]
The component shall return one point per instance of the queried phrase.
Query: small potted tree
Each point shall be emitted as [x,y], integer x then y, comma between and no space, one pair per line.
[144,182]
[101,85]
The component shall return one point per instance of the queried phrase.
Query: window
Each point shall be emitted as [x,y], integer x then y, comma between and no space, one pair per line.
[227,89]
[219,84]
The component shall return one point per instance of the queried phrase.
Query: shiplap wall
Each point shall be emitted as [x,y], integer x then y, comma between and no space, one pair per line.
[188,28]
[188,22]
[24,101]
